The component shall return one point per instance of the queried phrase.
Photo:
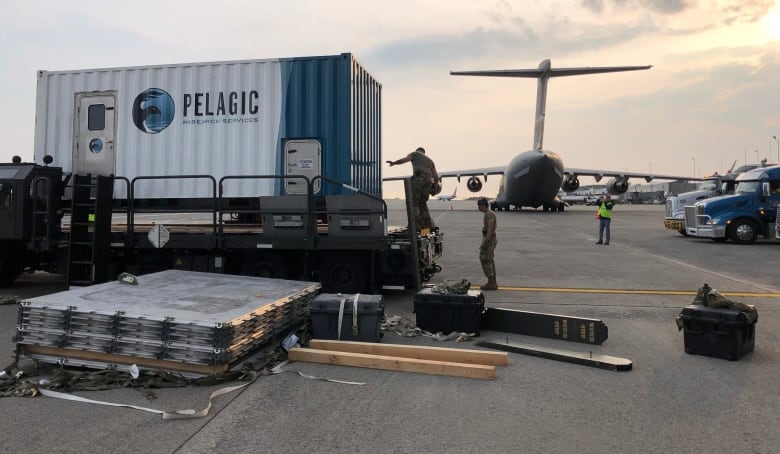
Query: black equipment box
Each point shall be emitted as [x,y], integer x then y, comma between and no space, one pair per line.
[448,312]
[359,316]
[718,332]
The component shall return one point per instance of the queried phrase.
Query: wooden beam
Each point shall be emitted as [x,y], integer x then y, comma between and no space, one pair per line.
[453,355]
[392,363]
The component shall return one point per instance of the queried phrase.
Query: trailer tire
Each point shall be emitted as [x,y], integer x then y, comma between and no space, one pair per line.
[8,273]
[269,266]
[743,231]
[343,273]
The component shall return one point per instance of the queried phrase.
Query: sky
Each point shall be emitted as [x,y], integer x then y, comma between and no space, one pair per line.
[712,96]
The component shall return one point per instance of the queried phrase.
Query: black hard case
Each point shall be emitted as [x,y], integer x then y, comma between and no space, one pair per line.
[448,312]
[324,312]
[717,332]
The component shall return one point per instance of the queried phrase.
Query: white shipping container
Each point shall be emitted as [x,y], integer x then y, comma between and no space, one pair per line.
[218,119]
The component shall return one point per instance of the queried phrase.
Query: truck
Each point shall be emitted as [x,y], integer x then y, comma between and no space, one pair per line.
[712,186]
[740,217]
[257,167]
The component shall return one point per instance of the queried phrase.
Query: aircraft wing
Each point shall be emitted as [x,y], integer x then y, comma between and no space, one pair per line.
[648,177]
[462,173]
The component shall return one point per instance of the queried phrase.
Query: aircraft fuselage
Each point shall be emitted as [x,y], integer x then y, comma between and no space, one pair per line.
[532,179]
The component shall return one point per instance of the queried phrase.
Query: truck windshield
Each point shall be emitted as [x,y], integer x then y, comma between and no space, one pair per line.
[748,187]
[709,185]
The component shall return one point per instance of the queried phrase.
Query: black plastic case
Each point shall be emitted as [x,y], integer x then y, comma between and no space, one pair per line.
[717,332]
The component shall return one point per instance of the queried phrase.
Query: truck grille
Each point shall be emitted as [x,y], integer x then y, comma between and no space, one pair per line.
[777,224]
[691,219]
[669,208]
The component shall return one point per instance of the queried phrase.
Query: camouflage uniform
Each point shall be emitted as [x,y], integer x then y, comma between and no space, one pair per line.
[488,247]
[422,179]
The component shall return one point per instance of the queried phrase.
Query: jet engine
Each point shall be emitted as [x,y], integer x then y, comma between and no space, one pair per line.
[617,186]
[474,184]
[570,183]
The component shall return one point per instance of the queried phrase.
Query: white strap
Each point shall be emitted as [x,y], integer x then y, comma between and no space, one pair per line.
[355,315]
[341,317]
[174,414]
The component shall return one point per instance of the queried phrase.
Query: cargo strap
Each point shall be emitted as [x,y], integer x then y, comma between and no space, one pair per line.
[405,327]
[355,330]
[174,414]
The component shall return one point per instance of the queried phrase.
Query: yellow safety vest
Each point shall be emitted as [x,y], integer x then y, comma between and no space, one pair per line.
[604,212]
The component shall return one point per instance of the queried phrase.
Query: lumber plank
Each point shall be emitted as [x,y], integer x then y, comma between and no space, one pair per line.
[453,355]
[392,363]
[112,358]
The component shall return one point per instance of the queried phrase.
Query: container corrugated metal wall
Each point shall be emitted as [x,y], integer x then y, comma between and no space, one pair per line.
[335,100]
[332,99]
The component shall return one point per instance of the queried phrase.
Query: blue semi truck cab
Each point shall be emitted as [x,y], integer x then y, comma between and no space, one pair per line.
[742,217]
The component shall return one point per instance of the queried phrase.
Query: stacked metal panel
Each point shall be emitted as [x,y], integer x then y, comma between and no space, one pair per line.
[172,320]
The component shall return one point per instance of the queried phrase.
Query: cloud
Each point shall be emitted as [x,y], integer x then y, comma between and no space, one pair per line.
[656,6]
[516,40]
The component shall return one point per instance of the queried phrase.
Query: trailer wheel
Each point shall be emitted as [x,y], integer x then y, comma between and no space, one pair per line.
[343,273]
[8,272]
[743,231]
[270,266]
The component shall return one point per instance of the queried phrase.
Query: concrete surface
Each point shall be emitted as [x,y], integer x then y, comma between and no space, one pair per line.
[669,402]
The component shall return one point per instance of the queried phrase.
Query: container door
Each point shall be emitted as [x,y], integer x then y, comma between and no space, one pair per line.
[301,157]
[95,133]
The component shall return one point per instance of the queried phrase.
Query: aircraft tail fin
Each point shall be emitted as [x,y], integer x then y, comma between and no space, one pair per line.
[543,74]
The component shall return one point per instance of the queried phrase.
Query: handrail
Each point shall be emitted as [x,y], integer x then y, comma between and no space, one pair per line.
[214,209]
[128,240]
[354,189]
[309,199]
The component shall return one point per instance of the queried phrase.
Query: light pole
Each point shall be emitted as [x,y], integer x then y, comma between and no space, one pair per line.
[777,142]
[757,157]
[694,167]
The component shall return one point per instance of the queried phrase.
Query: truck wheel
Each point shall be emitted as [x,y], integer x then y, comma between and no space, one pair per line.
[270,266]
[343,273]
[682,232]
[743,231]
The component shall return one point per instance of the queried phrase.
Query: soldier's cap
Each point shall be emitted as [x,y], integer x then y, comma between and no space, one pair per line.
[482,201]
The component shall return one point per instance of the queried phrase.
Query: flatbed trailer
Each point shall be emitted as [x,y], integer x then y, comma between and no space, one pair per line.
[76,225]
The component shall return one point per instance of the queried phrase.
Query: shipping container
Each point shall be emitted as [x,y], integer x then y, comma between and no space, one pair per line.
[289,116]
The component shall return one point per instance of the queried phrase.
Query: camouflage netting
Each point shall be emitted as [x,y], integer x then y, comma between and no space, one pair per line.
[452,286]
[708,296]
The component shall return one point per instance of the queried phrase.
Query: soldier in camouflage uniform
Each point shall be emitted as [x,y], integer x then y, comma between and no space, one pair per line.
[424,177]
[488,247]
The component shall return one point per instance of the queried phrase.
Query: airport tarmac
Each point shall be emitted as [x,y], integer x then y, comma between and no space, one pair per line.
[547,262]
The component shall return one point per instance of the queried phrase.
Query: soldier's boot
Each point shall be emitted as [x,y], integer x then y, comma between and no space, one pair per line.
[490,284]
